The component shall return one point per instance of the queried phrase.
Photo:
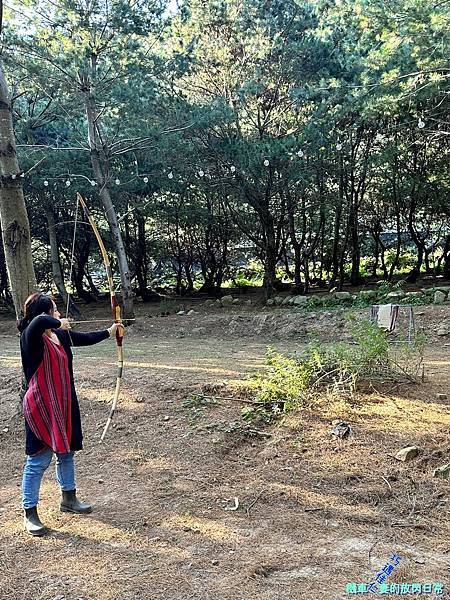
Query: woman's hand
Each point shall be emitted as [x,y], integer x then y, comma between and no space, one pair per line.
[114,327]
[65,324]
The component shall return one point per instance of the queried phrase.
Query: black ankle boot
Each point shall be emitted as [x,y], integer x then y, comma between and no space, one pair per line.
[32,523]
[70,503]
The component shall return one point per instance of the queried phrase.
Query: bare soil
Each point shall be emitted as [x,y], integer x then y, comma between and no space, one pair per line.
[314,512]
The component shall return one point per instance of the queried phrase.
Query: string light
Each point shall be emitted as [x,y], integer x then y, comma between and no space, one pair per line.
[145,180]
[22,175]
[68,182]
[300,153]
[201,173]
[13,176]
[266,163]
[45,183]
[93,183]
[170,175]
[421,123]
[232,168]
[338,147]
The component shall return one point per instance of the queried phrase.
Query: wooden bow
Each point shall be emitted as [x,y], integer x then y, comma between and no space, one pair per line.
[116,314]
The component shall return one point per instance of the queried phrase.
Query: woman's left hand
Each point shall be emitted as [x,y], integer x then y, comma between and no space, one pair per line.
[114,327]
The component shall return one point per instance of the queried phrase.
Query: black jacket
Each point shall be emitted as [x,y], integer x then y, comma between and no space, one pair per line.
[32,351]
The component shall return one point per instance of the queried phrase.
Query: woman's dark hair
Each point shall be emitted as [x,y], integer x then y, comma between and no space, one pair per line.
[35,305]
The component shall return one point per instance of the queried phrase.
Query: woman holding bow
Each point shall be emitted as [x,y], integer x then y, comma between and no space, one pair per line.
[50,405]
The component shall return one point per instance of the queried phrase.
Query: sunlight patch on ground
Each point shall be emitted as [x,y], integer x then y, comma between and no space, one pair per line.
[157,366]
[10,361]
[321,500]
[206,527]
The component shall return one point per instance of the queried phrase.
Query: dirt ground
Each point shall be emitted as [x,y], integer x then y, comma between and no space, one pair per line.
[315,513]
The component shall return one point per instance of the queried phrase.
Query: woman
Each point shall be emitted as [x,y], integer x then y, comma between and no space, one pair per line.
[50,405]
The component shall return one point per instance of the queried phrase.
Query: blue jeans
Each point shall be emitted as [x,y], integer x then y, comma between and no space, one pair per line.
[35,468]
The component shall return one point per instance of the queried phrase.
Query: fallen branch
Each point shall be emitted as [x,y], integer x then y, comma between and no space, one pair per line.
[247,509]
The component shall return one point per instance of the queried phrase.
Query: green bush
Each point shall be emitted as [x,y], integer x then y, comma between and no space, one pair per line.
[290,382]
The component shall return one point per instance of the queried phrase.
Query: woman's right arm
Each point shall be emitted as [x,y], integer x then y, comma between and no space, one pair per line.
[35,330]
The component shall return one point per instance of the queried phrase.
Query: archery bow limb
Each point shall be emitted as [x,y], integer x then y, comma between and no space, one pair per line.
[116,314]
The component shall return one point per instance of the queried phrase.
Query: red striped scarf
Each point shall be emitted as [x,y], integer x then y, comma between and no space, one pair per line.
[47,403]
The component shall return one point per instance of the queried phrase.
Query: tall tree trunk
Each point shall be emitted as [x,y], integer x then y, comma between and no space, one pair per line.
[13,215]
[337,225]
[58,277]
[100,166]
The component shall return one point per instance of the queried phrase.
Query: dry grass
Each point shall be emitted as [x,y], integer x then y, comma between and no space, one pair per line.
[315,512]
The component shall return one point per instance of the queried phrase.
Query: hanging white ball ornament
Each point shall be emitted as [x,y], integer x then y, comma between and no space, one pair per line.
[170,175]
[421,124]
[93,183]
[338,147]
[201,173]
[117,181]
[300,153]
[232,168]
[45,183]
[68,182]
[145,180]
[266,163]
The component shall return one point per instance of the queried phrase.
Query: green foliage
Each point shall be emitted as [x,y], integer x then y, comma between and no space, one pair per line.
[291,382]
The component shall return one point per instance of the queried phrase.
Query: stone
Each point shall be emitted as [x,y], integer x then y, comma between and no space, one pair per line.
[248,302]
[413,294]
[218,303]
[367,294]
[441,396]
[199,330]
[395,295]
[227,300]
[444,329]
[439,297]
[181,312]
[342,295]
[300,301]
[314,299]
[209,302]
[166,418]
[278,300]
[443,472]
[286,300]
[237,301]
[191,312]
[408,453]
[270,302]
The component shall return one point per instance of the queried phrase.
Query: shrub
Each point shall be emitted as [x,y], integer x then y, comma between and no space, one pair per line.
[290,382]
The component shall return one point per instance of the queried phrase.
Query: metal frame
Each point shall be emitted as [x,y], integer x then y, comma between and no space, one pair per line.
[411,322]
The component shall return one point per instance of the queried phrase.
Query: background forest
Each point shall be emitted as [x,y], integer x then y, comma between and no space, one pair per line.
[232,142]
